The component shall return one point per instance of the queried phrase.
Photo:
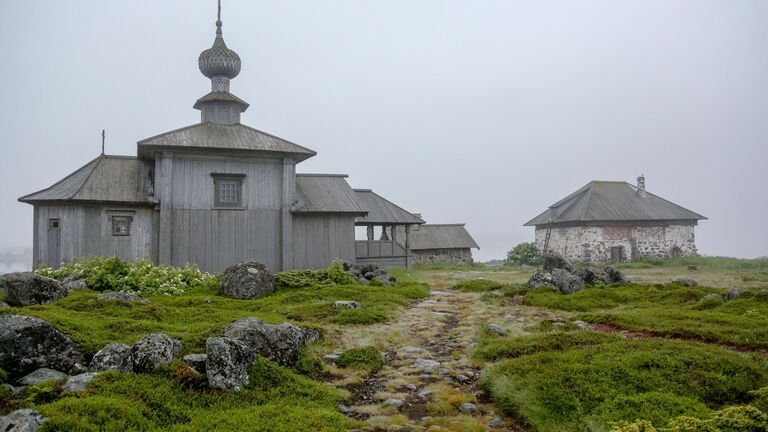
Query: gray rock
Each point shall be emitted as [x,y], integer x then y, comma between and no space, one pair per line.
[123,296]
[344,409]
[330,358]
[395,403]
[495,328]
[713,296]
[29,343]
[614,276]
[425,364]
[732,294]
[555,260]
[385,279]
[582,325]
[684,281]
[278,343]
[349,304]
[467,408]
[196,362]
[4,305]
[27,288]
[462,378]
[42,375]
[565,282]
[75,285]
[23,420]
[425,394]
[228,364]
[115,356]
[496,422]
[247,281]
[369,275]
[153,351]
[412,349]
[78,383]
[411,387]
[590,275]
[541,278]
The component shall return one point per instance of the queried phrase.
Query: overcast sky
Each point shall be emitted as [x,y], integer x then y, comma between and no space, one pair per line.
[482,112]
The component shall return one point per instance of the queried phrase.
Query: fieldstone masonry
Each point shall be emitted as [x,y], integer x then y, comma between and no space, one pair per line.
[442,256]
[593,244]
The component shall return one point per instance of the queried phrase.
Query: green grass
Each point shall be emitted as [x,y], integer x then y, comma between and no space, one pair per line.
[193,317]
[496,348]
[366,358]
[276,399]
[720,263]
[478,285]
[594,383]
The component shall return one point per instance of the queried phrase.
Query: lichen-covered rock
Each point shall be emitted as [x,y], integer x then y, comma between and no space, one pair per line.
[541,278]
[614,276]
[196,362]
[29,343]
[228,363]
[27,288]
[495,328]
[555,260]
[714,297]
[42,375]
[23,420]
[386,279]
[115,356]
[732,294]
[78,383]
[565,282]
[278,343]
[684,281]
[246,281]
[75,285]
[349,304]
[123,296]
[153,351]
[591,275]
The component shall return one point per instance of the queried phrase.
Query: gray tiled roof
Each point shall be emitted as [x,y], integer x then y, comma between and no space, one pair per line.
[382,211]
[608,201]
[442,236]
[105,179]
[224,137]
[325,193]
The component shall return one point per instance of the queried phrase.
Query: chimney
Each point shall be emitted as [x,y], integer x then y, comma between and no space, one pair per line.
[641,185]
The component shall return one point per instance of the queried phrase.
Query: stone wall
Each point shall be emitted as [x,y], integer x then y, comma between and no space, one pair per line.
[593,244]
[442,256]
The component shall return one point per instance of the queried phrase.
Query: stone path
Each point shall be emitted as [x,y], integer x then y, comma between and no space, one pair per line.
[429,382]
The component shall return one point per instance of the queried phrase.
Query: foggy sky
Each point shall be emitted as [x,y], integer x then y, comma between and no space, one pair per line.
[482,112]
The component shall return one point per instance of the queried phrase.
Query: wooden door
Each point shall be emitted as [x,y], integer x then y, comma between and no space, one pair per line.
[54,243]
[617,254]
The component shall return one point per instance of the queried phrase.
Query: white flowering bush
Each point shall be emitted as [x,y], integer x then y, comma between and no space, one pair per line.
[140,277]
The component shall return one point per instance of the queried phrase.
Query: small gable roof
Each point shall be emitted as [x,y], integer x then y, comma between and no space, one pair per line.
[383,211]
[325,193]
[212,136]
[602,201]
[441,236]
[114,179]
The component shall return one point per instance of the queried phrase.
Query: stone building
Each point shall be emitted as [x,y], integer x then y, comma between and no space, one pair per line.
[442,243]
[614,221]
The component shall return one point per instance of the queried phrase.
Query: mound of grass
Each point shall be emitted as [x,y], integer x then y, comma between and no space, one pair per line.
[478,285]
[722,263]
[589,387]
[744,418]
[276,399]
[494,348]
[365,358]
[195,316]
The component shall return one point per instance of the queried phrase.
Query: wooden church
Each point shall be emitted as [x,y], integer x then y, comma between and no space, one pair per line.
[213,194]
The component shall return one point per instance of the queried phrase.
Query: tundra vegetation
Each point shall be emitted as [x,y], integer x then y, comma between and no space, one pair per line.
[650,355]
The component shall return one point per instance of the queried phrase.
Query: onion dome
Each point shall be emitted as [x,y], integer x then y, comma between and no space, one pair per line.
[218,60]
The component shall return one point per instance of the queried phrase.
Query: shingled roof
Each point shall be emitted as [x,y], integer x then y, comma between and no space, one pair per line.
[383,211]
[113,179]
[441,236]
[212,136]
[609,201]
[325,193]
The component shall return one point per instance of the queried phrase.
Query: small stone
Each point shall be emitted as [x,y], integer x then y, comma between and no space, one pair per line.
[395,403]
[469,373]
[411,387]
[425,364]
[412,349]
[713,296]
[688,282]
[78,383]
[443,372]
[123,296]
[462,378]
[732,294]
[496,422]
[495,328]
[581,324]
[347,304]
[424,394]
[196,362]
[331,358]
[4,305]
[42,375]
[467,407]
[23,420]
[344,409]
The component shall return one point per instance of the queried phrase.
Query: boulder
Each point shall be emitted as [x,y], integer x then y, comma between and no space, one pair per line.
[684,281]
[732,294]
[78,383]
[369,275]
[153,351]
[42,375]
[246,281]
[495,328]
[115,356]
[278,343]
[555,260]
[29,343]
[349,304]
[196,361]
[23,420]
[541,278]
[27,288]
[228,363]
[123,296]
[565,282]
[75,285]
[590,275]
[614,276]
[385,279]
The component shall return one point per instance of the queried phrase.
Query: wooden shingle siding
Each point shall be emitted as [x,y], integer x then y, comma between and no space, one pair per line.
[319,239]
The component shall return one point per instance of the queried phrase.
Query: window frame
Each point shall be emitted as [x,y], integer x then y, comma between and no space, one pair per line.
[115,216]
[220,179]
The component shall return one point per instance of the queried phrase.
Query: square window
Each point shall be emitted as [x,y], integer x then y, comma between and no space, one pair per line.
[121,225]
[227,190]
[53,223]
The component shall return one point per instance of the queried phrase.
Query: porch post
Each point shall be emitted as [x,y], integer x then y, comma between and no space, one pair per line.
[408,246]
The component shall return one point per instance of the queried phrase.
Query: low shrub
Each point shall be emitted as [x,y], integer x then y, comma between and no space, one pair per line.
[478,285]
[334,275]
[524,253]
[367,358]
[742,418]
[495,348]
